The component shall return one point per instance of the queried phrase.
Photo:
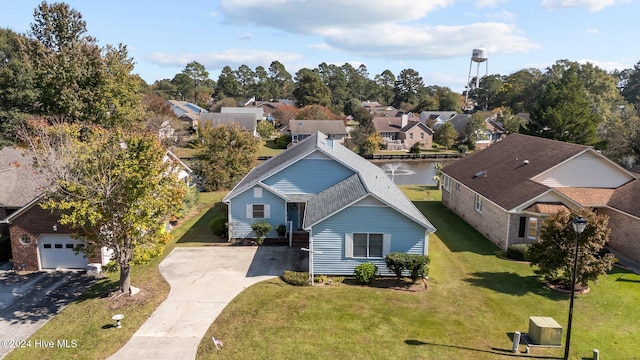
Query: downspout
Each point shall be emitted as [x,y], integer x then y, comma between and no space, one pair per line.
[506,242]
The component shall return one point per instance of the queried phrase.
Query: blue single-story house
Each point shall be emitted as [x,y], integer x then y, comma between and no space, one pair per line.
[350,210]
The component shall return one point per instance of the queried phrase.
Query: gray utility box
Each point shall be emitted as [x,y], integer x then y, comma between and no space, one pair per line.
[544,331]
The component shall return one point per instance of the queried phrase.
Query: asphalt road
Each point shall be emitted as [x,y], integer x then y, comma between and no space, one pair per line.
[28,301]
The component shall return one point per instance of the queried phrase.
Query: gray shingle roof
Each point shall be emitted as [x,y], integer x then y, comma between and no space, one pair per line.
[20,183]
[328,127]
[333,199]
[499,173]
[246,121]
[372,179]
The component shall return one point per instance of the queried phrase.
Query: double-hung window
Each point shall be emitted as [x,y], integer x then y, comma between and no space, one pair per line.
[258,211]
[532,231]
[367,245]
[478,203]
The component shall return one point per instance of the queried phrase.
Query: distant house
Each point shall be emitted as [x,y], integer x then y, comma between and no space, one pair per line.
[38,240]
[187,112]
[506,190]
[401,133]
[257,112]
[350,210]
[246,121]
[494,131]
[374,107]
[434,119]
[302,129]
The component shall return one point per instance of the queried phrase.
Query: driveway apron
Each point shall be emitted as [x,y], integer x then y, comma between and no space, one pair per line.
[203,281]
[28,301]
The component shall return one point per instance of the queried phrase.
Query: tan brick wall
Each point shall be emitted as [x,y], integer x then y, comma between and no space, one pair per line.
[492,222]
[34,222]
[624,234]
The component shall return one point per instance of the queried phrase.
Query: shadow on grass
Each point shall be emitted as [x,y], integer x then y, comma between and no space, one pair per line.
[454,232]
[496,351]
[513,284]
[624,275]
[271,144]
[200,232]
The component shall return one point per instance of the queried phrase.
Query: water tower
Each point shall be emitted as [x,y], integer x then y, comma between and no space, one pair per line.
[478,55]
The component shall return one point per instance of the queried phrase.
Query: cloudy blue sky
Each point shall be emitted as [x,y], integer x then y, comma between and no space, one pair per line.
[435,37]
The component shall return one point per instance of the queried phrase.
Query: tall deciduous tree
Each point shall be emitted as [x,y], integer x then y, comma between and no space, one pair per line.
[197,73]
[554,253]
[18,90]
[446,135]
[386,82]
[281,80]
[111,187]
[67,62]
[564,112]
[315,112]
[310,89]
[228,85]
[225,154]
[407,87]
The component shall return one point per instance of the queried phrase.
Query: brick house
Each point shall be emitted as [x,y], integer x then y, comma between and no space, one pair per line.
[507,189]
[38,240]
[402,132]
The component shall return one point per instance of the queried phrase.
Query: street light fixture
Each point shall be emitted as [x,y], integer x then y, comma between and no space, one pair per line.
[579,224]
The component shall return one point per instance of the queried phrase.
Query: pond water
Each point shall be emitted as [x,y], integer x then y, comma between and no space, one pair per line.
[411,172]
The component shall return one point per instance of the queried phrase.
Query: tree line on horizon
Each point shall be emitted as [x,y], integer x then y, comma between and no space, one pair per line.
[58,71]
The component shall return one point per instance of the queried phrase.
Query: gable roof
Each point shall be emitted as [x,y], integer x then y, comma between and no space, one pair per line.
[394,124]
[329,127]
[257,112]
[499,172]
[246,121]
[369,180]
[20,182]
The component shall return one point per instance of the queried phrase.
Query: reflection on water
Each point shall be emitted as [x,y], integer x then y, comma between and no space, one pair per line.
[409,172]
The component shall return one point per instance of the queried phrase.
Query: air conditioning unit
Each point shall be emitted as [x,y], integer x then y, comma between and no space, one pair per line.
[544,331]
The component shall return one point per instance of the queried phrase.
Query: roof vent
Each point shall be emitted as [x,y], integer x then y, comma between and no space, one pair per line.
[525,162]
[482,173]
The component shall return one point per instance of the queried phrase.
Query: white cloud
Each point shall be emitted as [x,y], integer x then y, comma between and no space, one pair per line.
[301,16]
[217,60]
[320,46]
[246,37]
[428,42]
[380,29]
[592,31]
[489,3]
[592,5]
[606,65]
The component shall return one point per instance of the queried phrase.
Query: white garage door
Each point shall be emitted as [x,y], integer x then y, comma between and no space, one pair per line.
[56,251]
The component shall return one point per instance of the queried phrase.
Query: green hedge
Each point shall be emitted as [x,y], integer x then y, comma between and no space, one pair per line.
[416,265]
[519,252]
[365,273]
[296,278]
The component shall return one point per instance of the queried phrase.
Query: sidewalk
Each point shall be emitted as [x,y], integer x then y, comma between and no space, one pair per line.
[203,281]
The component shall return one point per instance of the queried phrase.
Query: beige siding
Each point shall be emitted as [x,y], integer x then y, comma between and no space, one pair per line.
[586,170]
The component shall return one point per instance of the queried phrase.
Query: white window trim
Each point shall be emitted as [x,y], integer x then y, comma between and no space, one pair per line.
[532,224]
[249,211]
[478,203]
[348,245]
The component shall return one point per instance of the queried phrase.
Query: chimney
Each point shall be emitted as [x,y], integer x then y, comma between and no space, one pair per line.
[330,141]
[405,120]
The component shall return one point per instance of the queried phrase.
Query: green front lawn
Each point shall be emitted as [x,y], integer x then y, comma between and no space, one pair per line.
[473,304]
[88,319]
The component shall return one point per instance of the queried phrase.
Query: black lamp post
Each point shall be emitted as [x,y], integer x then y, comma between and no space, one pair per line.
[579,224]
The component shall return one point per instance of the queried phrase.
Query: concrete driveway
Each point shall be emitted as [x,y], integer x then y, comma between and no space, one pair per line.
[203,280]
[28,301]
